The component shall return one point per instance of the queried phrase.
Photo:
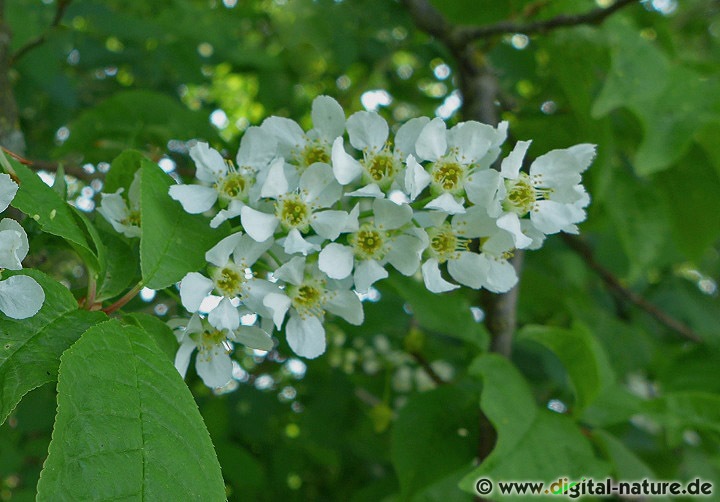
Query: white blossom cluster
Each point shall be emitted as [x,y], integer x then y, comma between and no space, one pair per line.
[322,216]
[20,296]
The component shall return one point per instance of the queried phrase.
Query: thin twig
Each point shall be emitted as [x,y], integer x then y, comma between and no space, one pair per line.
[60,9]
[614,284]
[427,367]
[463,35]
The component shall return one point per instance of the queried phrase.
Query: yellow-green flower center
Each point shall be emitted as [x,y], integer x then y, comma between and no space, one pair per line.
[381,167]
[293,212]
[229,280]
[447,176]
[312,152]
[521,195]
[133,219]
[369,243]
[233,186]
[445,243]
[308,298]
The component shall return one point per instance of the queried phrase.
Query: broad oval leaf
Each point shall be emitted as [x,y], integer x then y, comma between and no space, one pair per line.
[127,426]
[30,349]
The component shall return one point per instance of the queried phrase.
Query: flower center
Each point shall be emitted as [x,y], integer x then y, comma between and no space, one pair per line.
[210,339]
[447,176]
[521,195]
[308,298]
[312,152]
[293,212]
[229,280]
[133,219]
[382,167]
[445,244]
[369,243]
[233,186]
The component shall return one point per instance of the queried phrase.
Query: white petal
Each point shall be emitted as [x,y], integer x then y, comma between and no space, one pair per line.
[195,199]
[220,253]
[234,209]
[468,270]
[501,276]
[317,179]
[416,178]
[288,133]
[8,189]
[257,149]
[367,131]
[293,271]
[224,316]
[551,217]
[345,168]
[389,215]
[306,337]
[278,304]
[248,250]
[432,141]
[563,167]
[10,242]
[276,183]
[329,224]
[346,304]
[432,278]
[407,136]
[405,253]
[336,260]
[114,209]
[511,223]
[22,247]
[367,273]
[475,223]
[352,224]
[214,368]
[20,297]
[260,226]
[194,287]
[472,140]
[510,166]
[328,118]
[255,292]
[446,203]
[182,357]
[253,337]
[371,190]
[482,188]
[210,164]
[295,243]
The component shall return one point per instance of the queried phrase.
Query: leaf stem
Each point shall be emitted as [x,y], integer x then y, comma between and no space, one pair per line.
[124,300]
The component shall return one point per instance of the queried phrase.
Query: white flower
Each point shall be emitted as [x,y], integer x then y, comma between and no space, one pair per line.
[380,165]
[8,189]
[449,243]
[301,149]
[13,244]
[387,238]
[455,155]
[307,296]
[551,193]
[297,211]
[114,208]
[230,277]
[20,297]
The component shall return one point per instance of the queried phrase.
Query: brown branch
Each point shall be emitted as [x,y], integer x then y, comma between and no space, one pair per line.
[614,284]
[60,9]
[463,35]
[427,367]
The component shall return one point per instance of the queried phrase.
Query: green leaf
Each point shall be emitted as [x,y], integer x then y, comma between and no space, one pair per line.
[448,314]
[122,266]
[133,119]
[30,349]
[680,411]
[532,443]
[59,183]
[426,443]
[124,410]
[122,171]
[173,242]
[626,465]
[159,331]
[55,216]
[581,355]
